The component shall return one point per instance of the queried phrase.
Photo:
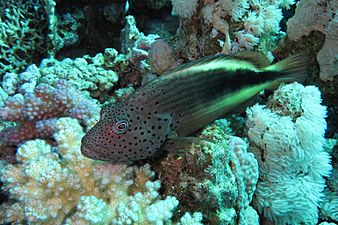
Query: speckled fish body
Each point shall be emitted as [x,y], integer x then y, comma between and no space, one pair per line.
[181,102]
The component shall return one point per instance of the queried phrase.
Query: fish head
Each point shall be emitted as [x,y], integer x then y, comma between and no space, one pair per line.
[125,133]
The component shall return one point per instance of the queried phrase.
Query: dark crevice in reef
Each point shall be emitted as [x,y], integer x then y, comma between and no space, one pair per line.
[99,28]
[287,14]
[101,22]
[154,21]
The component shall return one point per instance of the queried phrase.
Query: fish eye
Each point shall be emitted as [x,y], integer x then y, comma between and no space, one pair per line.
[121,126]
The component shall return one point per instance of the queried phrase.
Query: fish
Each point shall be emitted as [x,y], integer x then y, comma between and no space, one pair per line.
[172,107]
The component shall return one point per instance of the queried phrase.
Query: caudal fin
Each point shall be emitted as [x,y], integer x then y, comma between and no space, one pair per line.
[292,68]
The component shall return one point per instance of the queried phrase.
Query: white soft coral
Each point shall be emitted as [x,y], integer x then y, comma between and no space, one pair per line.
[288,142]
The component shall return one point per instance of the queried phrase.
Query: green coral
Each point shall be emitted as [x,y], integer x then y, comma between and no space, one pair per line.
[23,33]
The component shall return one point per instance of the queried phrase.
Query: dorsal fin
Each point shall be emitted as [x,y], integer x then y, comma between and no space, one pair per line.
[201,61]
[256,58]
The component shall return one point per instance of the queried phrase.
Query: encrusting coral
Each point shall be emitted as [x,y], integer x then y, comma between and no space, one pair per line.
[216,177]
[288,137]
[58,185]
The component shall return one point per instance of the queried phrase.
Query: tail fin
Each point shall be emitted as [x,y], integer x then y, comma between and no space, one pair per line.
[292,68]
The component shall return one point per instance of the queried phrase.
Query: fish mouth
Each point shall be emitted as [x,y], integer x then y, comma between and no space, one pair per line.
[93,150]
[86,151]
[93,154]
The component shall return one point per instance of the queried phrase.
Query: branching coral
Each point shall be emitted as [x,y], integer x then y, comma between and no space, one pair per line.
[289,138]
[24,33]
[60,186]
[86,73]
[36,111]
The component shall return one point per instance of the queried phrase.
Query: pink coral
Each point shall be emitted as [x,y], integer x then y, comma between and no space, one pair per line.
[47,102]
[37,112]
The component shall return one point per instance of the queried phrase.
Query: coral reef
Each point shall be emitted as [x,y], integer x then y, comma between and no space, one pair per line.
[58,185]
[318,16]
[26,33]
[230,26]
[161,57]
[288,137]
[92,53]
[36,110]
[216,177]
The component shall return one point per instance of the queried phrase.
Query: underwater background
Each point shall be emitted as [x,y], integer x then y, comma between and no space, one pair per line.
[274,162]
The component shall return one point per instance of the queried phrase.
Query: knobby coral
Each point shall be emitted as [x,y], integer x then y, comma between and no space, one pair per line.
[37,107]
[85,73]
